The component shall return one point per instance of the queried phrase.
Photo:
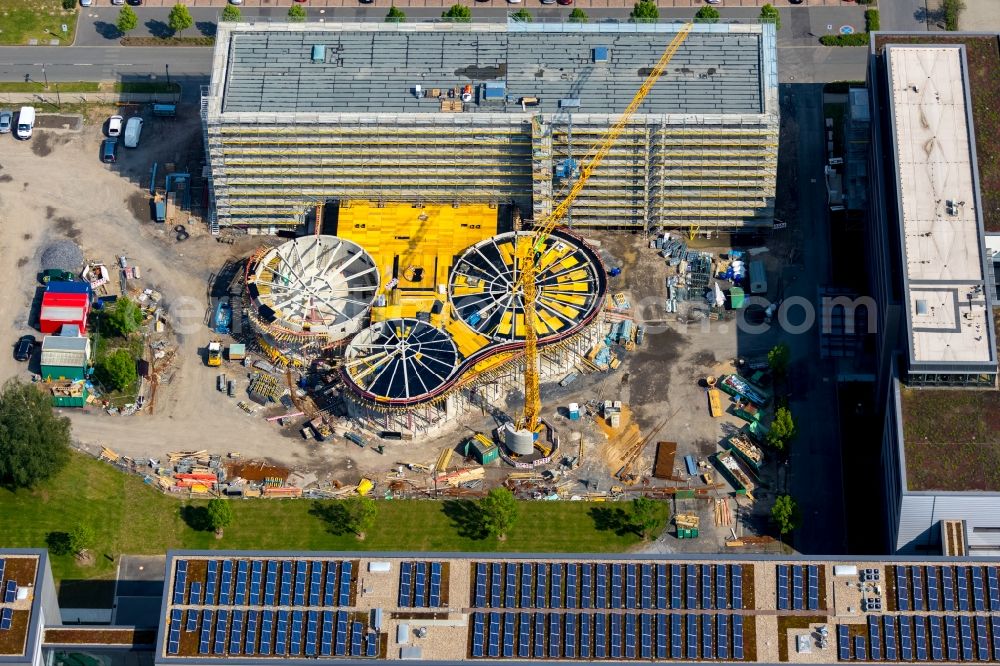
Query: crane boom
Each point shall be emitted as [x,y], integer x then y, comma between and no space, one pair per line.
[527,251]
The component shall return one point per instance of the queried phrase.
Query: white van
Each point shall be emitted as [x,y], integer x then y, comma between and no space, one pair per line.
[25,122]
[133,128]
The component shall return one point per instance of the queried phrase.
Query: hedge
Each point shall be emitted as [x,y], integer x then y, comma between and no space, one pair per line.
[854,39]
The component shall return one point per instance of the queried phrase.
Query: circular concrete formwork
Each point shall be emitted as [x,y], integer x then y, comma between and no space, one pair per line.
[310,292]
[485,293]
[400,361]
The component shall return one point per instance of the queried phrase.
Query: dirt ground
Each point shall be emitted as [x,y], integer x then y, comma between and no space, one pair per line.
[54,186]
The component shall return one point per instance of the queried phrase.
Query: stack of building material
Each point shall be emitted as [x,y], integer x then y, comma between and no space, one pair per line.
[460,476]
[263,387]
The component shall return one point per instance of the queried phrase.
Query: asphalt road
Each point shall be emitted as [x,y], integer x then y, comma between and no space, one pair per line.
[908,15]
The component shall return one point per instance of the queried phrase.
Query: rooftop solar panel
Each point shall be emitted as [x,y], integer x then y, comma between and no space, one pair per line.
[978,590]
[962,587]
[211,582]
[902,591]
[859,648]
[285,588]
[325,634]
[477,635]
[721,587]
[420,586]
[236,635]
[782,587]
[937,644]
[691,576]
[646,636]
[555,590]
[539,642]
[951,641]
[661,586]
[435,588]
[631,586]
[371,644]
[405,581]
[843,643]
[947,589]
[646,586]
[616,586]
[480,592]
[920,638]
[889,638]
[344,586]
[340,634]
[357,635]
[585,636]
[527,578]
[296,633]
[917,584]
[662,636]
[737,585]
[508,634]
[281,632]
[675,586]
[797,587]
[707,636]
[616,635]
[812,572]
[965,635]
[569,637]
[7,619]
[630,635]
[993,588]
[555,635]
[601,586]
[571,586]
[722,637]
[312,633]
[315,583]
[875,638]
[192,621]
[266,630]
[600,636]
[250,633]
[493,640]
[509,588]
[496,585]
[995,631]
[330,587]
[541,585]
[982,639]
[933,599]
[676,636]
[692,636]
[194,596]
[586,585]
[905,638]
[706,586]
[524,636]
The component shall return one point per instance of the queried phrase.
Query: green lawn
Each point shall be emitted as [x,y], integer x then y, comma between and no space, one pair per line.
[129,517]
[21,20]
[39,86]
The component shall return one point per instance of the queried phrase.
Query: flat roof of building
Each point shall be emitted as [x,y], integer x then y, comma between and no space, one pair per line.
[302,607]
[19,577]
[948,304]
[374,67]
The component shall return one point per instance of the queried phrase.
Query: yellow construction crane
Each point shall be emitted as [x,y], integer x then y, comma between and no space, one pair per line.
[528,251]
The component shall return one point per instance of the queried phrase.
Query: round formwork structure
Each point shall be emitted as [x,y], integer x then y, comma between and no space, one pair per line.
[485,293]
[400,361]
[308,294]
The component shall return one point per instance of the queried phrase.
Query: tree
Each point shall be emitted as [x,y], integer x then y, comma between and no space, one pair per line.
[770,13]
[458,14]
[34,442]
[127,20]
[778,359]
[123,319]
[395,15]
[952,9]
[578,16]
[81,538]
[707,14]
[522,15]
[231,14]
[644,11]
[69,5]
[782,430]
[296,14]
[220,515]
[361,513]
[117,370]
[180,19]
[785,514]
[498,511]
[642,514]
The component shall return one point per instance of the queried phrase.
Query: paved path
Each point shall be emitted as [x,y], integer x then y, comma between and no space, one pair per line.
[908,15]
[586,4]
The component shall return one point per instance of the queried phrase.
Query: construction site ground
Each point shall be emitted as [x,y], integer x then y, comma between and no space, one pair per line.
[54,186]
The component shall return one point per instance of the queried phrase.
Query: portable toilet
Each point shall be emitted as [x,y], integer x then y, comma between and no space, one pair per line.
[736,298]
[574,411]
[758,278]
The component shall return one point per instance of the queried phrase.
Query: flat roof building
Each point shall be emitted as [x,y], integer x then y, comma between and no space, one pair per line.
[930,225]
[300,115]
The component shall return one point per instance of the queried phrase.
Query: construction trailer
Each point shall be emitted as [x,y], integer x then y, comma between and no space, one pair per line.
[65,356]
[59,309]
[500,111]
[481,449]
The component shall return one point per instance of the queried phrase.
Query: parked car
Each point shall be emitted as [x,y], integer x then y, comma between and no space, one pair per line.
[109,151]
[115,125]
[86,3]
[118,2]
[57,275]
[133,130]
[24,348]
[6,121]
[565,2]
[135,3]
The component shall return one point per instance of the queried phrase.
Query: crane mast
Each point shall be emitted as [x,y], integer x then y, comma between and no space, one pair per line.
[529,251]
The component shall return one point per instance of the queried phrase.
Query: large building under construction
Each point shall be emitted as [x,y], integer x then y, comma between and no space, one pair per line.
[299,116]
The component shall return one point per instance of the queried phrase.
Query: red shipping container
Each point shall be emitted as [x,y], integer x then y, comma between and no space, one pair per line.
[58,309]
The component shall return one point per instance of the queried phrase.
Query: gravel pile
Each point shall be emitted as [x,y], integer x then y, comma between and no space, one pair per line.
[64,254]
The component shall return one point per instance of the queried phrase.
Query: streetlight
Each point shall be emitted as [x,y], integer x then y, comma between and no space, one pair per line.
[46,77]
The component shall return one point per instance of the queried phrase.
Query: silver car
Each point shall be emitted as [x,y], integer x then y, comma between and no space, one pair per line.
[6,120]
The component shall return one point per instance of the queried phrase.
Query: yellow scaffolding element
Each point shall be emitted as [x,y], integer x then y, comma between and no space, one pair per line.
[415,245]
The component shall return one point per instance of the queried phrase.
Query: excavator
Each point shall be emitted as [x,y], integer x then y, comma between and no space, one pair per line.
[531,248]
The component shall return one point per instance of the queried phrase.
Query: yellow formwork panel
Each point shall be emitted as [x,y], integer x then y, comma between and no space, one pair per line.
[415,244]
[466,339]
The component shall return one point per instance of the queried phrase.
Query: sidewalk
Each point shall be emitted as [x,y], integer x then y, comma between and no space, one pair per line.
[583,4]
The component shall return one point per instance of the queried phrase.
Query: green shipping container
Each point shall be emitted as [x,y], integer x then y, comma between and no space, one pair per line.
[70,401]
[483,454]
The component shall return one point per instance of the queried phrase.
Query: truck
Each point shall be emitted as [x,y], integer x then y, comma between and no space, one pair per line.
[133,129]
[25,122]
[214,353]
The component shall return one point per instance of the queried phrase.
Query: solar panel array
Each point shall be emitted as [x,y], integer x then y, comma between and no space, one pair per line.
[798,587]
[947,588]
[632,586]
[896,638]
[594,635]
[420,585]
[9,590]
[281,608]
